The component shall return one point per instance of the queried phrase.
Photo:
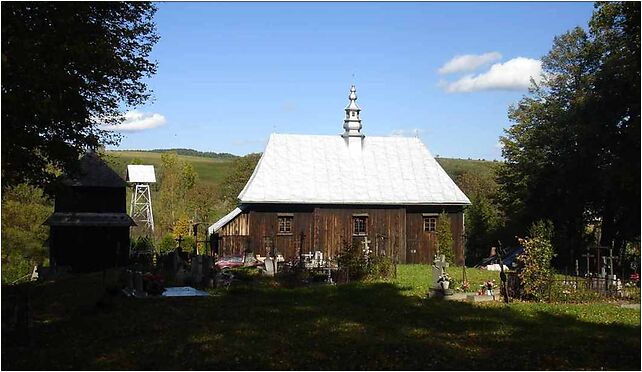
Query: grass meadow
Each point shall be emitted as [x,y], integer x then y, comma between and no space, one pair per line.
[379,325]
[209,170]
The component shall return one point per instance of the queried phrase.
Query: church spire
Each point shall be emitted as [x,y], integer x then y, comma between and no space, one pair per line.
[352,121]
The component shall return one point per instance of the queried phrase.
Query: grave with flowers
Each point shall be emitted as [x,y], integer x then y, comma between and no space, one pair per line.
[440,286]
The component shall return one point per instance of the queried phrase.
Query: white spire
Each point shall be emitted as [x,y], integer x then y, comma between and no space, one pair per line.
[352,122]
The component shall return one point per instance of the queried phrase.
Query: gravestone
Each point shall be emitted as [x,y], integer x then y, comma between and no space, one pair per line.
[270,266]
[138,284]
[197,269]
[437,289]
[438,269]
[130,280]
[207,266]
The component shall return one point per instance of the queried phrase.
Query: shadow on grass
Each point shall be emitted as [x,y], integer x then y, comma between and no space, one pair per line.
[357,326]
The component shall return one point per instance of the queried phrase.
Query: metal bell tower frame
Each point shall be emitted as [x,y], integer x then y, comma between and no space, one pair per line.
[141,176]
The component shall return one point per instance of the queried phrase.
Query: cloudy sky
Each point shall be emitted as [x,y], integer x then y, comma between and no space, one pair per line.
[229,74]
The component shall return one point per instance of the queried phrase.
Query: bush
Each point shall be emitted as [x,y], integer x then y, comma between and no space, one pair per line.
[445,237]
[380,267]
[24,209]
[188,244]
[351,258]
[143,244]
[16,268]
[167,244]
[536,259]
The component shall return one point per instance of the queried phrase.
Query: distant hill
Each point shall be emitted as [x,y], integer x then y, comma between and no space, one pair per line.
[456,167]
[209,169]
[214,167]
[188,152]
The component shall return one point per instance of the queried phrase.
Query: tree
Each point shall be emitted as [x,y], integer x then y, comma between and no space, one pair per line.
[572,154]
[242,170]
[445,237]
[482,228]
[24,209]
[177,178]
[67,69]
[484,222]
[536,259]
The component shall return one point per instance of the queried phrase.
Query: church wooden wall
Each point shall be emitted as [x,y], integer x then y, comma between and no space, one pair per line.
[385,230]
[390,230]
[422,245]
[264,230]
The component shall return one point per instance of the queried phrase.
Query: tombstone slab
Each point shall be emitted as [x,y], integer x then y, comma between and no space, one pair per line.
[479,298]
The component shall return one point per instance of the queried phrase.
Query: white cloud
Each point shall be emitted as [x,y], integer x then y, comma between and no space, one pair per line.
[134,121]
[514,74]
[288,106]
[469,62]
[414,132]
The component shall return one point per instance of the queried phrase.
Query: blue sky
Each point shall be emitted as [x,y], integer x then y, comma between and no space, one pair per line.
[229,74]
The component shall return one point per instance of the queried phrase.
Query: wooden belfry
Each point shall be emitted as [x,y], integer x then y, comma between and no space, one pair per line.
[90,227]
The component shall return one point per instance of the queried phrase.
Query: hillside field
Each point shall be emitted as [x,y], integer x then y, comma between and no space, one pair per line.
[213,171]
[209,170]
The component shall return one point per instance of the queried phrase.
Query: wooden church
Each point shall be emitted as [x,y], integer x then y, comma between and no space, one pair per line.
[316,193]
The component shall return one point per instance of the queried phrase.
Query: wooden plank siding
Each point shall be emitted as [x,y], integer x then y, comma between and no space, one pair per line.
[385,229]
[391,230]
[422,245]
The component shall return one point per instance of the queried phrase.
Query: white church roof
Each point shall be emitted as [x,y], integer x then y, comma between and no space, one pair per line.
[311,169]
[223,221]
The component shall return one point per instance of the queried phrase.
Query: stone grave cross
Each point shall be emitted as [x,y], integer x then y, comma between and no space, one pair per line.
[180,240]
[438,270]
[366,247]
[588,256]
[611,258]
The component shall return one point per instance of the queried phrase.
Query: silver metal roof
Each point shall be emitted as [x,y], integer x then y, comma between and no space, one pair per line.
[141,174]
[310,169]
[223,221]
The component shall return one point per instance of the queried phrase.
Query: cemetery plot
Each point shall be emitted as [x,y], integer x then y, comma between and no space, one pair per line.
[377,325]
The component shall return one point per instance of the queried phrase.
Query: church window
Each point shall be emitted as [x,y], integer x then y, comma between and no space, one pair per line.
[285,224]
[359,225]
[430,224]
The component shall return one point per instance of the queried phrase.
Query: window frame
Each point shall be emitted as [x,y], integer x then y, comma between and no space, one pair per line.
[288,221]
[360,217]
[430,223]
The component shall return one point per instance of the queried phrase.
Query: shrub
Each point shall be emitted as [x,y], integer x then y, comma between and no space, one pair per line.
[24,209]
[351,258]
[143,243]
[188,244]
[536,259]
[380,267]
[445,237]
[167,243]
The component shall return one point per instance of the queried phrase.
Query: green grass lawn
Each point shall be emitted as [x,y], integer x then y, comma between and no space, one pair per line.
[380,325]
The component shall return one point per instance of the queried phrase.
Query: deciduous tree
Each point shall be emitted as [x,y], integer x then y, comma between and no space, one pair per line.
[67,68]
[573,152]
